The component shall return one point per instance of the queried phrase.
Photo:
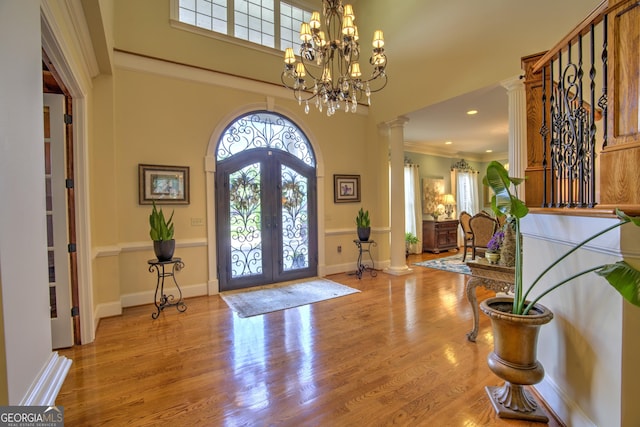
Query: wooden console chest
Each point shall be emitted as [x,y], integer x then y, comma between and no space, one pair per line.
[439,235]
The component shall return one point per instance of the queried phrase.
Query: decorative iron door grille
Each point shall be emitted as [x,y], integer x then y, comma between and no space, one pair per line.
[265,204]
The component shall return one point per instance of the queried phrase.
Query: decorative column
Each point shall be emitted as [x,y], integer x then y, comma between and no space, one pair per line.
[517,128]
[396,143]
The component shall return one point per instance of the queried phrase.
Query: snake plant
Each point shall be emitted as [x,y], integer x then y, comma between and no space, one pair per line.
[161,229]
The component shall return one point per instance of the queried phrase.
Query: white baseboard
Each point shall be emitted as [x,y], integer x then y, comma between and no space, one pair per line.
[565,408]
[350,267]
[214,287]
[111,309]
[45,388]
[146,297]
[339,268]
[107,310]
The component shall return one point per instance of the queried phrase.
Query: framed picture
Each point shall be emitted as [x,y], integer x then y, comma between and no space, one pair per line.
[163,184]
[346,188]
[432,190]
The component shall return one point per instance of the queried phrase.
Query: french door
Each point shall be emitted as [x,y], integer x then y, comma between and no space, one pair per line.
[266,219]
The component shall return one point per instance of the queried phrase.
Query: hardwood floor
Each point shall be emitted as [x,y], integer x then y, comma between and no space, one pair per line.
[394,354]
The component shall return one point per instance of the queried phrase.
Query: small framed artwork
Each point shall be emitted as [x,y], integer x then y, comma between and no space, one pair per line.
[346,188]
[163,184]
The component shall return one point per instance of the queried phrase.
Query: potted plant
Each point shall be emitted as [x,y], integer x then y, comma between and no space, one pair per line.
[364,225]
[162,234]
[516,320]
[409,239]
[493,247]
[437,212]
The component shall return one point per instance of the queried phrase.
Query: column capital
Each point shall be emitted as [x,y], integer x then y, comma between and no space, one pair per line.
[399,121]
[513,83]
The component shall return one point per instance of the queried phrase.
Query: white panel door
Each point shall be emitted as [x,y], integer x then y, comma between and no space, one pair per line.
[57,228]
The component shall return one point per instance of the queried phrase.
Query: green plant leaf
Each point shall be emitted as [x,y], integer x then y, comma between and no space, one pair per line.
[625,279]
[160,228]
[502,201]
[623,216]
[362,220]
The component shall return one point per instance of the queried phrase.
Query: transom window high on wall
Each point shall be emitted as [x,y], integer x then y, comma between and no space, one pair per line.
[270,23]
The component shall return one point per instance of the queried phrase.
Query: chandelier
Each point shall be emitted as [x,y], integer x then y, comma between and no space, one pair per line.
[329,71]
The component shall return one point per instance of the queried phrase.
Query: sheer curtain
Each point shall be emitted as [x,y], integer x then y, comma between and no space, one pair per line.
[467,195]
[464,185]
[412,204]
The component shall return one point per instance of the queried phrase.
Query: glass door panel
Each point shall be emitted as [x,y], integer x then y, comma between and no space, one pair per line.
[295,220]
[245,221]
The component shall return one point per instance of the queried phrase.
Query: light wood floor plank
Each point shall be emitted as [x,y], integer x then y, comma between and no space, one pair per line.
[394,354]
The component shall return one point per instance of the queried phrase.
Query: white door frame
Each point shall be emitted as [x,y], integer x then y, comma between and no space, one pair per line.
[213,285]
[78,82]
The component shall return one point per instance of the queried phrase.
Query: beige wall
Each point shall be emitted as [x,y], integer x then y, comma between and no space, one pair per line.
[171,120]
[141,115]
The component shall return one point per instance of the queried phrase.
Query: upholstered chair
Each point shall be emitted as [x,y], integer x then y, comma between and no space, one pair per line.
[466,231]
[482,227]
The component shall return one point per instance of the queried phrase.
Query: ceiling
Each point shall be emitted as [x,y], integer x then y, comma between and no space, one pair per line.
[470,136]
[457,49]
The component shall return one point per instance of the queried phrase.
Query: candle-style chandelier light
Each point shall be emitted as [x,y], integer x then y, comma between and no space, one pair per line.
[329,68]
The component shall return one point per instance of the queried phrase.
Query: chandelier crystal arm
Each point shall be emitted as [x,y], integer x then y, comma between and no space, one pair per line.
[329,68]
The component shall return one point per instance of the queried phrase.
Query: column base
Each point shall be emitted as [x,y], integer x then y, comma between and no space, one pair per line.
[398,271]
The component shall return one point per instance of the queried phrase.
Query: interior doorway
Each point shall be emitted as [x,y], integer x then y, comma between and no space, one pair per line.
[61,230]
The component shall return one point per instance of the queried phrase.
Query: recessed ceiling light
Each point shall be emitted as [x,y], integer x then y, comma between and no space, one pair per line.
[448,142]
[472,112]
[489,151]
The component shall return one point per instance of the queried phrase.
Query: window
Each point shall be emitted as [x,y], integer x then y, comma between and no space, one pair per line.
[290,19]
[254,21]
[270,23]
[208,14]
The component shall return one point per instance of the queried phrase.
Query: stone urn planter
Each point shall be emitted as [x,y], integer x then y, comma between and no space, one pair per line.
[515,339]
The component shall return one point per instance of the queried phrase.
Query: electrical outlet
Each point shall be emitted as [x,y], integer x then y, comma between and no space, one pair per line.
[339,249]
[197,222]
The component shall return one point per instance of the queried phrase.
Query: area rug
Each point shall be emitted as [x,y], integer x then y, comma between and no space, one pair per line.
[266,299]
[452,263]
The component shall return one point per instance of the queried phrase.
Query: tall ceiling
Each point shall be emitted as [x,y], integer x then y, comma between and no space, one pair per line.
[448,57]
[444,58]
[446,129]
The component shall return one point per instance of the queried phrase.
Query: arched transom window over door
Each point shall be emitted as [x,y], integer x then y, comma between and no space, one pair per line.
[266,202]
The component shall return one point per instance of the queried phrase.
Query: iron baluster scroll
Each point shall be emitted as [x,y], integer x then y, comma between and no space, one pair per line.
[569,127]
[160,299]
